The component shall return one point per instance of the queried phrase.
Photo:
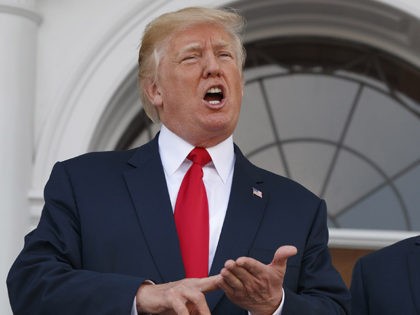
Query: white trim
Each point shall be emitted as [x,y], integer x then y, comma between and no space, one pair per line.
[408,6]
[36,202]
[366,239]
[22,12]
[118,114]
[369,22]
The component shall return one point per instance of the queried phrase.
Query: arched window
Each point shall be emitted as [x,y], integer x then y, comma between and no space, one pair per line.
[341,118]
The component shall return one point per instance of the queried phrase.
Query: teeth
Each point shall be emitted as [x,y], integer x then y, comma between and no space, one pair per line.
[214,102]
[214,90]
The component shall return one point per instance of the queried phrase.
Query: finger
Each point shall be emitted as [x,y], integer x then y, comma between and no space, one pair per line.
[180,307]
[251,266]
[193,300]
[208,284]
[230,278]
[229,291]
[200,305]
[240,269]
[226,287]
[282,254]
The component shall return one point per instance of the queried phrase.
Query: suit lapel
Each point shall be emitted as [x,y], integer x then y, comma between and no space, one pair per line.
[147,186]
[414,274]
[243,216]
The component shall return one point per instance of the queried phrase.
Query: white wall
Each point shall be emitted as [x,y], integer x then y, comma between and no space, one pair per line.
[18,28]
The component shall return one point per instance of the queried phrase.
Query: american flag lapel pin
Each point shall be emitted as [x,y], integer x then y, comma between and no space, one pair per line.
[257,192]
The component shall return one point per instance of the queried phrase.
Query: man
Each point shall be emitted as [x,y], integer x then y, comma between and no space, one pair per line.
[113,232]
[387,282]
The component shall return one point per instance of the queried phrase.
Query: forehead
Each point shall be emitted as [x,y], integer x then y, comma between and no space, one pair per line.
[199,35]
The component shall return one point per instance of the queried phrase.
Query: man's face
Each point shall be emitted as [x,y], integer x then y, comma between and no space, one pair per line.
[198,91]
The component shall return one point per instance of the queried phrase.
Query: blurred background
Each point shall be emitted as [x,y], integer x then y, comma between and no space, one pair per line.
[332,100]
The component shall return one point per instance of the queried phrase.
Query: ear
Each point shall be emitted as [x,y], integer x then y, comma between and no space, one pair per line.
[153,92]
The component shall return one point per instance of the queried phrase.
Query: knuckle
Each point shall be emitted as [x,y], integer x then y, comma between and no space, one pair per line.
[197,297]
[173,292]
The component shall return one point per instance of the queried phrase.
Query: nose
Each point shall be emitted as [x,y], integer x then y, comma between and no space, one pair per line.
[212,66]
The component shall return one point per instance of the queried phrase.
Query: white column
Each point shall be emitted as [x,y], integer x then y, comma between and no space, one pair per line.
[18,36]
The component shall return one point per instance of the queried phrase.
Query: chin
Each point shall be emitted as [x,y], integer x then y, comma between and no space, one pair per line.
[219,124]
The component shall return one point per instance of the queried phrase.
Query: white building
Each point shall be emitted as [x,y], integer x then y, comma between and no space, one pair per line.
[334,87]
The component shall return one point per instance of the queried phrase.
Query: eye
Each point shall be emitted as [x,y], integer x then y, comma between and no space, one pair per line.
[226,55]
[189,58]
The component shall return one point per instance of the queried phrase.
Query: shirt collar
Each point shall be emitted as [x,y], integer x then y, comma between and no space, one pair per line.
[173,151]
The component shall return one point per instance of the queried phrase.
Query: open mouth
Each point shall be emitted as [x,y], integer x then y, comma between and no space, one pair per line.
[214,96]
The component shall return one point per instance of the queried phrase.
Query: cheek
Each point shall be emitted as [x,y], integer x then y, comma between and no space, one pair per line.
[185,92]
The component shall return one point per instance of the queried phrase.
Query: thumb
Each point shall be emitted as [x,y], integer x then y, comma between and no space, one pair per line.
[282,254]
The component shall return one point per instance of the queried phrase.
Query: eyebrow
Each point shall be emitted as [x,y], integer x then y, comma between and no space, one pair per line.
[189,47]
[197,46]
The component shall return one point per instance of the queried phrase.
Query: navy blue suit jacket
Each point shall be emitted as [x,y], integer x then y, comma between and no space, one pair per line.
[387,282]
[107,225]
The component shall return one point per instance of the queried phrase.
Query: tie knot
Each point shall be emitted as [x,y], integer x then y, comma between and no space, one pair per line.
[199,156]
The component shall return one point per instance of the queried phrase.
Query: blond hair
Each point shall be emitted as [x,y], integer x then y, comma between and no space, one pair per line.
[159,31]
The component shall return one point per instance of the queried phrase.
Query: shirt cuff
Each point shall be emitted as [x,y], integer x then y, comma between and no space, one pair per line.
[134,308]
[279,310]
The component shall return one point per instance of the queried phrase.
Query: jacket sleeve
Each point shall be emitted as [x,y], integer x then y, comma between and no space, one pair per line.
[320,289]
[357,289]
[48,275]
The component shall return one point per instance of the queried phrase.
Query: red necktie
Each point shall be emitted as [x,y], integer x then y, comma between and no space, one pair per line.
[192,217]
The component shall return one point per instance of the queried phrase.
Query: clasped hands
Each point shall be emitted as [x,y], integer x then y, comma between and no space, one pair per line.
[247,282]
